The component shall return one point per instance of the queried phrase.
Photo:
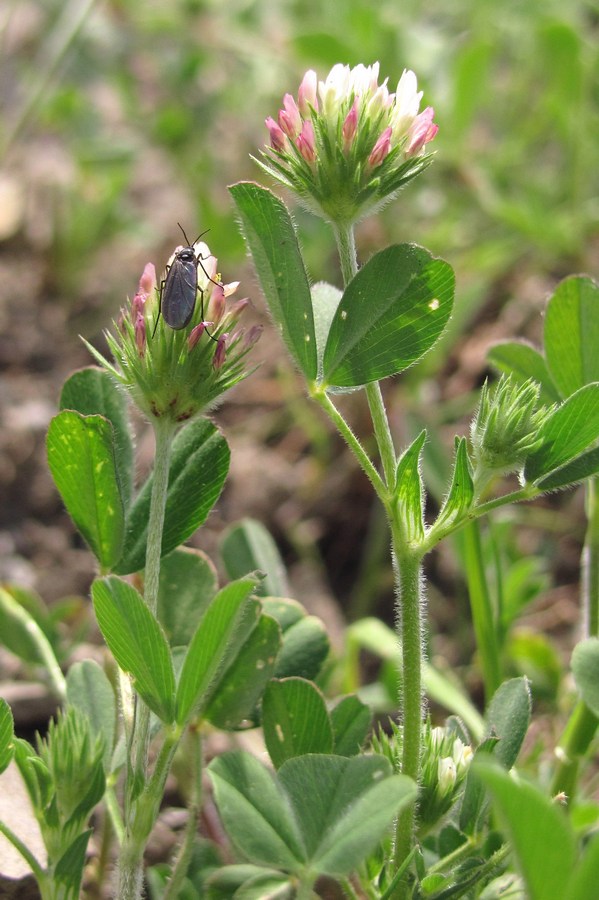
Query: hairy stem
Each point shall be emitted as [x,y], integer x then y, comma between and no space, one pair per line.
[132,848]
[410,601]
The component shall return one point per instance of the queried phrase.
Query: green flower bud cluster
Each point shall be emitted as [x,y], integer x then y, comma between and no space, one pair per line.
[505,429]
[445,761]
[65,781]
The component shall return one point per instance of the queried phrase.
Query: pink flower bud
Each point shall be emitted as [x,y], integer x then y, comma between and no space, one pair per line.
[217,302]
[350,126]
[137,306]
[195,334]
[422,131]
[306,96]
[236,308]
[306,143]
[381,148]
[253,336]
[140,334]
[278,141]
[289,117]
[147,282]
[220,353]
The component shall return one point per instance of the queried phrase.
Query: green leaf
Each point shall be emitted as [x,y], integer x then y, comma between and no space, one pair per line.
[304,650]
[585,668]
[585,878]
[81,456]
[93,391]
[321,815]
[508,718]
[20,632]
[287,612]
[248,547]
[390,314]
[232,881]
[473,800]
[566,433]
[522,361]
[242,683]
[538,830]
[7,734]
[461,491]
[255,812]
[584,466]
[137,642]
[68,871]
[271,886]
[187,586]
[572,334]
[409,491]
[271,237]
[199,466]
[351,720]
[343,806]
[211,644]
[295,720]
[90,691]
[35,608]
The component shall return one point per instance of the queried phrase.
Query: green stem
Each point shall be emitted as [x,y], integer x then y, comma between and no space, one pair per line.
[436,534]
[132,847]
[38,872]
[164,431]
[590,560]
[410,603]
[324,401]
[582,725]
[574,743]
[382,432]
[481,607]
[348,258]
[346,247]
[408,580]
[181,864]
[42,645]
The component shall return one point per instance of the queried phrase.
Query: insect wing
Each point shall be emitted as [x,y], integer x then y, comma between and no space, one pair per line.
[180,289]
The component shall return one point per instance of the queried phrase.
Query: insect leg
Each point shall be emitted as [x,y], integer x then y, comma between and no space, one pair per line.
[162,283]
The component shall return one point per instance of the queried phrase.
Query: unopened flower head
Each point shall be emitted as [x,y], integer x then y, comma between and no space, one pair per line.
[178,373]
[505,429]
[348,144]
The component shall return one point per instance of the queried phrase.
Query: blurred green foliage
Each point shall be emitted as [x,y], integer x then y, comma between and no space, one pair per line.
[170,96]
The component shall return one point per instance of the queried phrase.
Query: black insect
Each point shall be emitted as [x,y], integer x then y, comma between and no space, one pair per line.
[179,289]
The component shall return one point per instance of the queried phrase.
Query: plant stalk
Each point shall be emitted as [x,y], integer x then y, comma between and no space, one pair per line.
[181,864]
[482,609]
[410,602]
[582,724]
[132,848]
[346,246]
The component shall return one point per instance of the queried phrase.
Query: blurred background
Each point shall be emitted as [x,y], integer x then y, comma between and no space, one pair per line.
[121,119]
